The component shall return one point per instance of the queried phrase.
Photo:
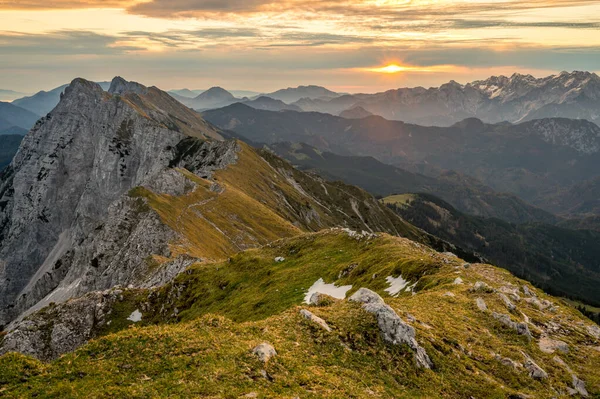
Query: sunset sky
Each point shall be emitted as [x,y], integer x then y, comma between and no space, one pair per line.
[264,45]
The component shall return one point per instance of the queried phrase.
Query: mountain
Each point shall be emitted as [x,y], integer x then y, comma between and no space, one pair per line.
[10,95]
[43,102]
[9,144]
[12,116]
[14,130]
[357,112]
[129,186]
[416,323]
[214,97]
[562,261]
[293,94]
[270,104]
[517,98]
[533,160]
[466,194]
[125,135]
[580,200]
[186,92]
[144,255]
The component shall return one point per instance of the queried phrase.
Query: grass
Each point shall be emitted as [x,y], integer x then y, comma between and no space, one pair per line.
[398,199]
[227,308]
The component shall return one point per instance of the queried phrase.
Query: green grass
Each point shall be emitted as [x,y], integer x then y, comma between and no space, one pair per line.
[227,308]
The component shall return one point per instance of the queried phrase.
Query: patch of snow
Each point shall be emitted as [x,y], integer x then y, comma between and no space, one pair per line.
[328,289]
[135,316]
[397,284]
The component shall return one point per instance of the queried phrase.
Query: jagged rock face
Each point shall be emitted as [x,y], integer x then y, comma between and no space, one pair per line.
[62,328]
[63,183]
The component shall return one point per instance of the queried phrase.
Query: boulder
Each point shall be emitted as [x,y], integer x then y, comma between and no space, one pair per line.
[509,305]
[480,286]
[548,345]
[393,329]
[458,281]
[594,331]
[264,352]
[320,299]
[535,371]
[481,304]
[520,328]
[579,386]
[528,292]
[508,362]
[315,319]
[279,259]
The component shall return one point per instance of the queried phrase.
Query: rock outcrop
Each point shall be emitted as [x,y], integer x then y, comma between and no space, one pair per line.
[264,352]
[315,319]
[66,189]
[393,329]
[520,328]
[64,327]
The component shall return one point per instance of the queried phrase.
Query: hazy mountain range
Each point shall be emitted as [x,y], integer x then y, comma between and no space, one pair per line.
[532,159]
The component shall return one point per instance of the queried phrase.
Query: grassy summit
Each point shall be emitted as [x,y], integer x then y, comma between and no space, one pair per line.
[224,309]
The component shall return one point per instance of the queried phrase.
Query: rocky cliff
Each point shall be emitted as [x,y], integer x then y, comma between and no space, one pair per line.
[69,172]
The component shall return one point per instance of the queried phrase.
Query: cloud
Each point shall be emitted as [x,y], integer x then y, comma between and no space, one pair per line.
[62,4]
[65,42]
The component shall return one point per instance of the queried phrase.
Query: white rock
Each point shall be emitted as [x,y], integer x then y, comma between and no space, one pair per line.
[315,319]
[481,304]
[394,330]
[264,352]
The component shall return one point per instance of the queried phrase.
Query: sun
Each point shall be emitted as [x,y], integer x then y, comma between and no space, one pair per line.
[391,68]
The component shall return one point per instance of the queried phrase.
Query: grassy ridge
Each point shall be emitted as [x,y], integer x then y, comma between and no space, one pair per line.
[206,350]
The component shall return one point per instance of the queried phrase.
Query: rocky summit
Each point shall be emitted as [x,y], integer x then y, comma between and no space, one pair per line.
[145,254]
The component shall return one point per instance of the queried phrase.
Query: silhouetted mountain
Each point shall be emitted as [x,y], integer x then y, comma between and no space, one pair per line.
[292,94]
[9,144]
[10,95]
[270,104]
[12,116]
[357,112]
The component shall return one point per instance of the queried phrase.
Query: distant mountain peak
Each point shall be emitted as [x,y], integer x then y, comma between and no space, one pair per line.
[216,93]
[122,86]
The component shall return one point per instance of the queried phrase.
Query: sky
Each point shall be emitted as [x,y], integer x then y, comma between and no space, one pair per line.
[264,45]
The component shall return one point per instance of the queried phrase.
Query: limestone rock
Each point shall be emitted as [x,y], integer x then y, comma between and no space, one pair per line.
[393,328]
[481,304]
[548,345]
[315,319]
[458,281]
[72,174]
[535,371]
[480,286]
[520,328]
[320,299]
[528,292]
[508,362]
[264,352]
[579,386]
[509,305]
[62,328]
[594,331]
